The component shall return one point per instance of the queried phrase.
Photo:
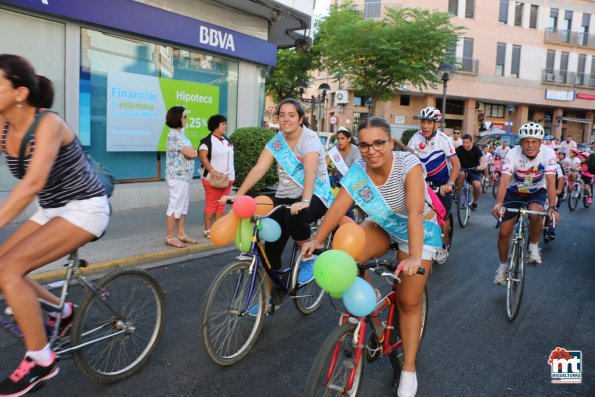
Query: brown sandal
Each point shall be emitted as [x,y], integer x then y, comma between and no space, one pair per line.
[174,242]
[186,239]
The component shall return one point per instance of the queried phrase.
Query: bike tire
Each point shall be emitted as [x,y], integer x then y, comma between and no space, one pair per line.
[309,297]
[484,184]
[228,332]
[495,188]
[450,234]
[463,208]
[136,306]
[396,357]
[338,348]
[573,198]
[515,280]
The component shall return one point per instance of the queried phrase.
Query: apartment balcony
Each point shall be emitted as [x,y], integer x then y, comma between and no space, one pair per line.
[570,38]
[377,9]
[467,65]
[563,77]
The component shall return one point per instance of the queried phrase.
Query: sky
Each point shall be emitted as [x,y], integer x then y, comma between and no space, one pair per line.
[322,7]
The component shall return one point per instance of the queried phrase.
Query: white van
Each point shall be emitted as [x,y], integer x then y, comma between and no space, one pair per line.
[327,139]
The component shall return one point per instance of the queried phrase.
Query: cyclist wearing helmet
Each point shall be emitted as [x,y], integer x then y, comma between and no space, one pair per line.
[529,175]
[437,153]
[586,176]
[572,164]
[549,141]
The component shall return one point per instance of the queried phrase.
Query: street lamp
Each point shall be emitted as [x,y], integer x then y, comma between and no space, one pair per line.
[324,88]
[445,70]
[369,102]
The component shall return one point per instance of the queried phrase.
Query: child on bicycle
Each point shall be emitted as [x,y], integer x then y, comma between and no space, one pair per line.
[586,176]
[489,163]
[72,209]
[403,215]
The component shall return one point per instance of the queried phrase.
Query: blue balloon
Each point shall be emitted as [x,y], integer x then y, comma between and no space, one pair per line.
[270,230]
[359,299]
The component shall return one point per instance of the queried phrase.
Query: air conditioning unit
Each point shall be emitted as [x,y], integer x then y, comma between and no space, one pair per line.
[550,77]
[479,106]
[341,97]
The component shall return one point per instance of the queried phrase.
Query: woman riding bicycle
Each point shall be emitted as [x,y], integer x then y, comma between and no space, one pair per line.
[403,215]
[341,156]
[73,209]
[303,182]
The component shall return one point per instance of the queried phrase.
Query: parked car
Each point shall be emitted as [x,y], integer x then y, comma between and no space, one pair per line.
[512,139]
[327,139]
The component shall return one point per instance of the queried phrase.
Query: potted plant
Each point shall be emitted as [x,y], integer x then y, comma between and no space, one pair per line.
[248,142]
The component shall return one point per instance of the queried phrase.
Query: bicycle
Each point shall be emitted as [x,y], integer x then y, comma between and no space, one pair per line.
[578,191]
[448,239]
[117,326]
[464,194]
[495,182]
[339,365]
[517,259]
[236,301]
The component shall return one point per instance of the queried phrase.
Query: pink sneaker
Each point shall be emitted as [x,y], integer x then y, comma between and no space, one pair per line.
[590,200]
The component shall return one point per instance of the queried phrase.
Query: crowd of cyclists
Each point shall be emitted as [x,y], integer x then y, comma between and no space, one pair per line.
[394,187]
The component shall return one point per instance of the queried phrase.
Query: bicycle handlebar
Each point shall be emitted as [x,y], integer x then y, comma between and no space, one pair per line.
[522,210]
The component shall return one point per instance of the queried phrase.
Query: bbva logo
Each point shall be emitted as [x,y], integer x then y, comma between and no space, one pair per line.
[216,38]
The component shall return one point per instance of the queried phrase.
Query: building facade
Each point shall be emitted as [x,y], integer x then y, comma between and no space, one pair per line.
[517,61]
[118,65]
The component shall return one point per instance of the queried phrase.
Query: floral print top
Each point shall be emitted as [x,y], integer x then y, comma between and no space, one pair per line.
[178,166]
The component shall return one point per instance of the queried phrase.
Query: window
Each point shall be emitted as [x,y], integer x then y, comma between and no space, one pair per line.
[553,21]
[533,16]
[503,14]
[372,8]
[518,14]
[467,55]
[563,67]
[584,36]
[580,69]
[453,106]
[549,66]
[516,61]
[566,26]
[592,82]
[469,8]
[453,6]
[500,58]
[404,100]
[492,110]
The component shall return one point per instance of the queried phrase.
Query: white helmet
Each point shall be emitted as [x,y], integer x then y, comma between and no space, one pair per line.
[531,130]
[430,113]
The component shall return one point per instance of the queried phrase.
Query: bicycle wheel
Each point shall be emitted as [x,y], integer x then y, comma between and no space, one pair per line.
[573,198]
[516,280]
[122,325]
[309,296]
[484,184]
[335,362]
[463,207]
[495,188]
[228,331]
[450,234]
[396,357]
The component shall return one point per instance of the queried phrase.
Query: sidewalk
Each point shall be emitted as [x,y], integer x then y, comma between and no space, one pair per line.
[133,236]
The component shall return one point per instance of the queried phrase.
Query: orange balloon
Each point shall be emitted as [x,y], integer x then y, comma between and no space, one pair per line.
[345,220]
[224,229]
[264,204]
[350,238]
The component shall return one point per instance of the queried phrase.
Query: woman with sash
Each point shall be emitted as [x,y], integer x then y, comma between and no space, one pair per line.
[303,182]
[390,187]
[342,155]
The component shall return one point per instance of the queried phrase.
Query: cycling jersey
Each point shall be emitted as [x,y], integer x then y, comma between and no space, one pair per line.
[559,172]
[571,164]
[434,154]
[528,175]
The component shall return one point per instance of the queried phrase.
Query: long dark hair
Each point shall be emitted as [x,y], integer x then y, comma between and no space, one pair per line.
[20,73]
[381,123]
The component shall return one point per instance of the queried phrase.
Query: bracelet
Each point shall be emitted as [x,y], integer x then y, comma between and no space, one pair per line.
[306,201]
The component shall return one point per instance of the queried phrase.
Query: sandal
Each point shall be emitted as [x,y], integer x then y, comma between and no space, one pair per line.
[207,233]
[174,242]
[186,239]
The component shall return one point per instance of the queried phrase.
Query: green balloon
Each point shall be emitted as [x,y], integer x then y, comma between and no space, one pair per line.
[243,237]
[337,295]
[335,271]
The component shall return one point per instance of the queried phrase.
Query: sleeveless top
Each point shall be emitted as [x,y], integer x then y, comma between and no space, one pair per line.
[71,177]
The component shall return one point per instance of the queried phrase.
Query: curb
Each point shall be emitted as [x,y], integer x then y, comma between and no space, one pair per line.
[60,274]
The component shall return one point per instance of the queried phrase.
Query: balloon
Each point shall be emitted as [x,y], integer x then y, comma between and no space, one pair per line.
[345,220]
[224,229]
[243,236]
[335,191]
[334,271]
[270,230]
[350,238]
[337,295]
[244,207]
[264,205]
[360,299]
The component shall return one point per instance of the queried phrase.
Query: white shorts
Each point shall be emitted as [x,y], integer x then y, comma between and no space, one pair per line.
[91,214]
[179,198]
[427,252]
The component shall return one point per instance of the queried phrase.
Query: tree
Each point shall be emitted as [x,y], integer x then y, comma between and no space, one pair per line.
[377,57]
[291,69]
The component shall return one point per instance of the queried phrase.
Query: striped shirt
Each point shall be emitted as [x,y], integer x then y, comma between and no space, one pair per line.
[393,190]
[71,177]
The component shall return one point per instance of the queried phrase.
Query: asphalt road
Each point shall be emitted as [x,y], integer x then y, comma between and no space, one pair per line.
[469,349]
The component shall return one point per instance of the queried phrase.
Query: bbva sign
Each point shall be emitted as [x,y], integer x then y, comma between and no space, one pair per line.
[216,38]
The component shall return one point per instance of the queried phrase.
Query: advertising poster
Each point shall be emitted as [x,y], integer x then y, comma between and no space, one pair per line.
[137,106]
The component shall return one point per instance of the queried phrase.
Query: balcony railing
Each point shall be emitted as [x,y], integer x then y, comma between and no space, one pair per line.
[551,76]
[376,9]
[568,37]
[468,65]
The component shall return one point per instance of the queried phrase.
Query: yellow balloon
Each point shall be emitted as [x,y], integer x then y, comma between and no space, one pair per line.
[224,229]
[350,238]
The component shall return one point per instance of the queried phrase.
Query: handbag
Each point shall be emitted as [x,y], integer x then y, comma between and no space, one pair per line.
[105,175]
[220,180]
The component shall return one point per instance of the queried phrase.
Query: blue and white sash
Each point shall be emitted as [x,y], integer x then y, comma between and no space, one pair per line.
[295,169]
[361,188]
[338,160]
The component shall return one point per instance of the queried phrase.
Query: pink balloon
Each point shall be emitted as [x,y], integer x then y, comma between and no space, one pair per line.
[244,207]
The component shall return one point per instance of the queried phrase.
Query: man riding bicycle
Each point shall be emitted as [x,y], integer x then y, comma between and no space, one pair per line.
[472,163]
[529,175]
[437,153]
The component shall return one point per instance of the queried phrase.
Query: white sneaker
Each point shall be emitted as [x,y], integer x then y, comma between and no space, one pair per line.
[500,278]
[407,384]
[534,256]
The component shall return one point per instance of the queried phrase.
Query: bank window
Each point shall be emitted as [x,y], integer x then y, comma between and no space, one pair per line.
[503,11]
[500,58]
[126,87]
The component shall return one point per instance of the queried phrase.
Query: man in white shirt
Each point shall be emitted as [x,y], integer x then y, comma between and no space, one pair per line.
[503,149]
[456,137]
[567,145]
